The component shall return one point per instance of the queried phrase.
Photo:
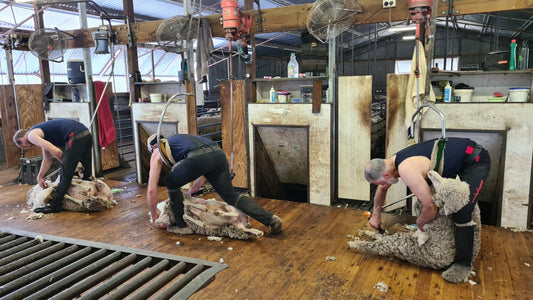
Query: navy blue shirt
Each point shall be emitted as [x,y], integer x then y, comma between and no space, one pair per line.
[454,154]
[56,131]
[181,144]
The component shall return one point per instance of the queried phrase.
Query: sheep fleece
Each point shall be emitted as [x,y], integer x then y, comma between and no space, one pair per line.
[82,195]
[438,251]
[210,217]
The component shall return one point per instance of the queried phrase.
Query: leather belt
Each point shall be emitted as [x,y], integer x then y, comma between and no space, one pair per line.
[202,149]
[472,156]
[81,134]
[78,135]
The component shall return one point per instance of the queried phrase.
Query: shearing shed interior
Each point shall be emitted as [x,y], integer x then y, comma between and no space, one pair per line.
[299,96]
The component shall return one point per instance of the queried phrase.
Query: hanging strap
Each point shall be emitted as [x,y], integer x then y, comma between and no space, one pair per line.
[164,149]
[437,160]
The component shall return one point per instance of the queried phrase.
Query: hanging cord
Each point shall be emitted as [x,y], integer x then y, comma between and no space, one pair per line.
[231,107]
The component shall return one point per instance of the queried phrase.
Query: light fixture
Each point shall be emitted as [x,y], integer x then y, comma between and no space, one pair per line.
[402,28]
[408,37]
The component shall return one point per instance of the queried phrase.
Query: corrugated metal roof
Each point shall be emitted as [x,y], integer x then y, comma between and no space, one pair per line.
[515,24]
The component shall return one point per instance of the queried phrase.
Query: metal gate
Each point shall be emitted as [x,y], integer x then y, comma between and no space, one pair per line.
[36,266]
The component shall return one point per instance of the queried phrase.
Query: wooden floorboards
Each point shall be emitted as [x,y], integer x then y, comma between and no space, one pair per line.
[294,264]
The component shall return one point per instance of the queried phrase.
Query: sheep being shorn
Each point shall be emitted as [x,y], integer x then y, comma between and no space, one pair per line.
[82,195]
[210,217]
[435,246]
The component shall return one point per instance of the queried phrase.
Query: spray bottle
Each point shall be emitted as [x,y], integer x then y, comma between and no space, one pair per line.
[272,95]
[523,56]
[512,60]
[448,92]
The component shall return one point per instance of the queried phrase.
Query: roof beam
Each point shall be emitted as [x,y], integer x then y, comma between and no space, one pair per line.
[294,17]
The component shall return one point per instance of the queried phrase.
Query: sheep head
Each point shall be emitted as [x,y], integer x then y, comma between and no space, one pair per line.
[451,194]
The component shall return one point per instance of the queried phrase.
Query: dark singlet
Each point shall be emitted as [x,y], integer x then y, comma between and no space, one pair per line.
[181,144]
[57,131]
[454,154]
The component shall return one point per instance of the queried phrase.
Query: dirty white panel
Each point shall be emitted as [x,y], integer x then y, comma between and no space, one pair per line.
[319,141]
[515,118]
[287,147]
[354,142]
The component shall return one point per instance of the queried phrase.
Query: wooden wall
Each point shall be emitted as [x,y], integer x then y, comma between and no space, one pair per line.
[31,112]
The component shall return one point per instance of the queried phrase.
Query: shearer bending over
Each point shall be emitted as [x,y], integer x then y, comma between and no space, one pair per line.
[197,158]
[459,156]
[51,135]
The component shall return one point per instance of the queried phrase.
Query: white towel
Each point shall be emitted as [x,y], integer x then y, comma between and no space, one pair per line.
[410,97]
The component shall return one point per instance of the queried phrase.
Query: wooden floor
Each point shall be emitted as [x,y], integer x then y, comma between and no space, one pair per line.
[292,265]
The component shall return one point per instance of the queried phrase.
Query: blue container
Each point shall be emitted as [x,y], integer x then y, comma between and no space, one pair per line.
[75,71]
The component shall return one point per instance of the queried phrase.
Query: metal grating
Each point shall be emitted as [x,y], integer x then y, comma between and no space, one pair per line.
[63,268]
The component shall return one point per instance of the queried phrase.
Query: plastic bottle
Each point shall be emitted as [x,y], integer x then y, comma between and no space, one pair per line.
[448,92]
[523,56]
[512,60]
[272,95]
[293,67]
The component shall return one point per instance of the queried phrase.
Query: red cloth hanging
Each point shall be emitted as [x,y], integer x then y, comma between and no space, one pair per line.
[106,126]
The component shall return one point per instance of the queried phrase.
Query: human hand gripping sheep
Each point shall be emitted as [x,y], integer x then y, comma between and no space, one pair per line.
[194,158]
[459,157]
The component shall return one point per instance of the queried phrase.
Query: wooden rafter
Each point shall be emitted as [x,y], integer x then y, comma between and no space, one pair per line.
[295,18]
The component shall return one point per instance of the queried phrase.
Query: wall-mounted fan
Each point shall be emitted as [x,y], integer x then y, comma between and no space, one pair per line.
[329,18]
[49,44]
[173,33]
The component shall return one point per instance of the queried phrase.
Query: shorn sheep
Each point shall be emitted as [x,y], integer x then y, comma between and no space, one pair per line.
[435,246]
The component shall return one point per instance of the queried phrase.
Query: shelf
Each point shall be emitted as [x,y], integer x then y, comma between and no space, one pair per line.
[69,84]
[290,79]
[502,72]
[156,83]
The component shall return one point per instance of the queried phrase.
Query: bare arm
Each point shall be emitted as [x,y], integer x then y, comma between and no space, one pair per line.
[153,179]
[413,174]
[379,200]
[197,185]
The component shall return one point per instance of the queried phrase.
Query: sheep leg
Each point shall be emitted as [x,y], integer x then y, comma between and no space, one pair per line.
[77,201]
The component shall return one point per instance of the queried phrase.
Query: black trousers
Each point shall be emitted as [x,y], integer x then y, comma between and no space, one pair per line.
[475,172]
[76,150]
[214,166]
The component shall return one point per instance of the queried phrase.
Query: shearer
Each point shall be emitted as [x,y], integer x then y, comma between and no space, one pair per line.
[196,158]
[51,135]
[449,157]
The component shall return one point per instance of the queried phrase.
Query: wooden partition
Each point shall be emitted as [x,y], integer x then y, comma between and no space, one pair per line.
[396,136]
[31,112]
[232,99]
[354,142]
[320,136]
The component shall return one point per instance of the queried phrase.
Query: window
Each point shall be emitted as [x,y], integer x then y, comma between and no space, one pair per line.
[404,66]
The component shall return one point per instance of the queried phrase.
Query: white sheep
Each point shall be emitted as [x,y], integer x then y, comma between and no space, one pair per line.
[82,195]
[435,246]
[210,217]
